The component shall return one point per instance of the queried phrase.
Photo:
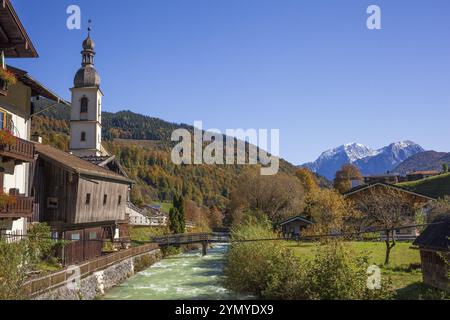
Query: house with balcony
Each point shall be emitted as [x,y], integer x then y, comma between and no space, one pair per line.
[17,88]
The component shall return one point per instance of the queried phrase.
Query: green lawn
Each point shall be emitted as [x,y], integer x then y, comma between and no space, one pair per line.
[437,187]
[144,234]
[404,269]
[165,206]
[401,255]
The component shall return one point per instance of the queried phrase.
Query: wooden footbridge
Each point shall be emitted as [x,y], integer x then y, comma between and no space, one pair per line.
[204,239]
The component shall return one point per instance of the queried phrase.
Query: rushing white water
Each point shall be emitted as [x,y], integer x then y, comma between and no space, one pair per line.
[187,276]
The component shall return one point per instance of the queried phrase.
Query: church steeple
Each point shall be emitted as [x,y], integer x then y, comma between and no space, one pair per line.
[87,76]
[88,52]
[86,111]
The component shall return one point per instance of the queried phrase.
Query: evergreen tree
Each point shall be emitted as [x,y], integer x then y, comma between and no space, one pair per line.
[176,216]
[445,167]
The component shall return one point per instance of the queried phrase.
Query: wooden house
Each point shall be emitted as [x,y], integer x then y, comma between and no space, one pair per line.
[417,200]
[387,178]
[136,216]
[434,245]
[419,175]
[82,202]
[293,227]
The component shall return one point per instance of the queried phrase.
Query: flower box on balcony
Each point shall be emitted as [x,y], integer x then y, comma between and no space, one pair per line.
[7,78]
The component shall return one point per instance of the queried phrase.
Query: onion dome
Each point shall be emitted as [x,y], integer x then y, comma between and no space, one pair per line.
[87,76]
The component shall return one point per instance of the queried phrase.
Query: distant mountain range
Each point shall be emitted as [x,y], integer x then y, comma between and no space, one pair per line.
[369,161]
[428,160]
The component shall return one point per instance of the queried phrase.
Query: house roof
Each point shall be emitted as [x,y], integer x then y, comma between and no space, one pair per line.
[424,172]
[37,89]
[14,40]
[103,161]
[77,165]
[436,236]
[294,219]
[388,185]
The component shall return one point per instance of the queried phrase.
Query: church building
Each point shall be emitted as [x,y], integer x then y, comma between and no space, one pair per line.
[82,194]
[86,111]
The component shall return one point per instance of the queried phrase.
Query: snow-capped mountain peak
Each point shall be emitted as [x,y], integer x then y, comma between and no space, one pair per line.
[354,151]
[369,161]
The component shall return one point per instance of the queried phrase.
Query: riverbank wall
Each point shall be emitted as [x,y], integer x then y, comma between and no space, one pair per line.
[91,279]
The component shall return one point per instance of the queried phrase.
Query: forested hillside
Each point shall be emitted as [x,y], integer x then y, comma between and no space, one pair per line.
[143,146]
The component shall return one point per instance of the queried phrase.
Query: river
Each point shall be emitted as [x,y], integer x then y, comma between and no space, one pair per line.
[187,276]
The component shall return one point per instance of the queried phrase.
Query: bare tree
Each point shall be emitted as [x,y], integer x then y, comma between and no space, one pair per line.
[386,208]
[278,196]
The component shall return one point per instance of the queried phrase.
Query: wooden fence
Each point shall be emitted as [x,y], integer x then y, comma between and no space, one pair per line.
[52,281]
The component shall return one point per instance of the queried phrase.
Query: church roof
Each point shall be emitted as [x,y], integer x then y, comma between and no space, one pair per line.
[88,44]
[106,162]
[86,76]
[77,165]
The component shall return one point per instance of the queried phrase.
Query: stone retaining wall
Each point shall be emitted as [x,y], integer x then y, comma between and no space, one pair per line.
[97,283]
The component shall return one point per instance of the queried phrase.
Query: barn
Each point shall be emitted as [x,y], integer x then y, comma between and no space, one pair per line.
[434,245]
[83,203]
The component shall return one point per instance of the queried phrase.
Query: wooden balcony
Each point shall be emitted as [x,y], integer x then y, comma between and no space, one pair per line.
[21,207]
[22,151]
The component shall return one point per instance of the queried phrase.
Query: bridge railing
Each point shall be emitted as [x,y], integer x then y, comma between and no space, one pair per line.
[187,238]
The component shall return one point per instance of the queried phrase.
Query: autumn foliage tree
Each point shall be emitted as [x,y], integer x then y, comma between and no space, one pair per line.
[345,176]
[329,211]
[308,180]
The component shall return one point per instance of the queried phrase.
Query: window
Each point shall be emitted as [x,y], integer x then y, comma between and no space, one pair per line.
[2,120]
[75,237]
[88,198]
[83,136]
[105,199]
[52,203]
[92,235]
[6,122]
[84,105]
[120,201]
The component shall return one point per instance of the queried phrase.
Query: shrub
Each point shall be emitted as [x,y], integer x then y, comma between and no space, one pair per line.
[336,273]
[14,265]
[170,251]
[269,270]
[258,268]
[40,243]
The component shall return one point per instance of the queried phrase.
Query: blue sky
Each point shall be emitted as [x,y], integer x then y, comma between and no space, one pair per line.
[309,68]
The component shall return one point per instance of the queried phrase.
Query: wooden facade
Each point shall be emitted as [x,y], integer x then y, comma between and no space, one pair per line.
[82,202]
[418,201]
[293,227]
[434,245]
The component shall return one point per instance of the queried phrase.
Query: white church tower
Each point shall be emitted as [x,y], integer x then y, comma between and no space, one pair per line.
[86,113]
